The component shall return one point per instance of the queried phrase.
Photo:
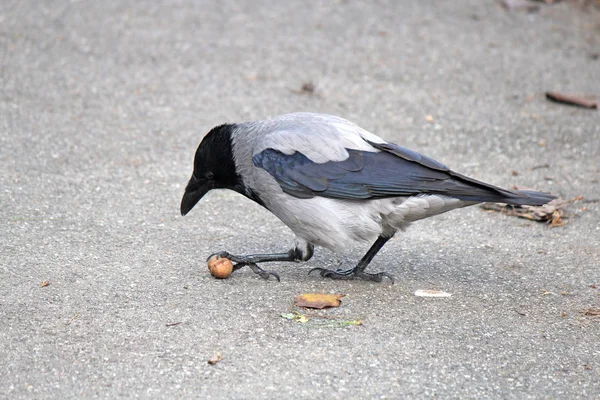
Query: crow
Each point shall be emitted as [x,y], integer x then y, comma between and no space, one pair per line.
[333,184]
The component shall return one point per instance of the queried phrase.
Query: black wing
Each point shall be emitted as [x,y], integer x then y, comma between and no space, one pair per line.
[392,172]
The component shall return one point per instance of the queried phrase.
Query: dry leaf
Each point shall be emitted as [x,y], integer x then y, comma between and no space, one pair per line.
[215,358]
[591,312]
[431,293]
[318,300]
[552,213]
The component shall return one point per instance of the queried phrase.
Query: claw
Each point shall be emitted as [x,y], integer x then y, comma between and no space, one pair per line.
[350,274]
[231,257]
[262,273]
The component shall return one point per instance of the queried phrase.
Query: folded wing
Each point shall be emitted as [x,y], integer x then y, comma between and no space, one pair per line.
[390,171]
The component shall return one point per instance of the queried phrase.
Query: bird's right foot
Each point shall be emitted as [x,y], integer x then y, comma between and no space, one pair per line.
[351,274]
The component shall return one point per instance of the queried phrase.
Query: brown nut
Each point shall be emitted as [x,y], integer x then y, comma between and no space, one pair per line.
[220,267]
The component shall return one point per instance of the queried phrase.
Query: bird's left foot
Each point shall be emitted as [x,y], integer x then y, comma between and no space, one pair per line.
[350,274]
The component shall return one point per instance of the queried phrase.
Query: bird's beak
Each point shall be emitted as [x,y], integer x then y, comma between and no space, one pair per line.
[194,191]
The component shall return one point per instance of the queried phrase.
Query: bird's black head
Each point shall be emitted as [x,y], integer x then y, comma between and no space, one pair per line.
[214,167]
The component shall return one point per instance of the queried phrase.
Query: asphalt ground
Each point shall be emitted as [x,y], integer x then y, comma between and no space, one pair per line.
[102,105]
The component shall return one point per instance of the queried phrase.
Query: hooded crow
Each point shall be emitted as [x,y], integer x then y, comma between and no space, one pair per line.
[333,184]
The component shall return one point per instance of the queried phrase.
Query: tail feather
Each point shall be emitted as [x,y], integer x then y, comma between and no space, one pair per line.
[529,198]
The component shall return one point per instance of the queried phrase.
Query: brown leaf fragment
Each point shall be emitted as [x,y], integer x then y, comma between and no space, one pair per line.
[215,358]
[45,283]
[318,300]
[591,312]
[571,100]
[551,213]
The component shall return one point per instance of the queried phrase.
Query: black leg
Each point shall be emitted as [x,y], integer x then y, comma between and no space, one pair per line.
[251,260]
[359,270]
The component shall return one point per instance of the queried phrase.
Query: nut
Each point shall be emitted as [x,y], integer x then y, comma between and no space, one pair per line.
[220,267]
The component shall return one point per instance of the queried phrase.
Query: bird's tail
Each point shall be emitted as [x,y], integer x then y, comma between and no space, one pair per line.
[527,198]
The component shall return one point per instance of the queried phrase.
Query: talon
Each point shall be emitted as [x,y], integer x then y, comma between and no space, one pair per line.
[220,254]
[262,273]
[350,274]
[275,275]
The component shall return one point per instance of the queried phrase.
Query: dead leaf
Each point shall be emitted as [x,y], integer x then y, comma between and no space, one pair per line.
[551,213]
[591,312]
[318,300]
[571,100]
[45,283]
[431,293]
[215,358]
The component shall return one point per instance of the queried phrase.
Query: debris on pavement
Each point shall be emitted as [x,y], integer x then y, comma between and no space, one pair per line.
[73,319]
[551,213]
[215,358]
[431,293]
[579,101]
[318,319]
[45,283]
[308,88]
[295,316]
[318,300]
[590,312]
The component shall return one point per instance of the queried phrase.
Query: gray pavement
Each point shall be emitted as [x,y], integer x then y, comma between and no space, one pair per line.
[102,105]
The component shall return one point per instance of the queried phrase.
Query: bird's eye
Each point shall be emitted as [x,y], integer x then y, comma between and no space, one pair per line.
[210,175]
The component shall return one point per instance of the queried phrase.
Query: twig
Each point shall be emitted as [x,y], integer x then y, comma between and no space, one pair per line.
[73,319]
[571,100]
